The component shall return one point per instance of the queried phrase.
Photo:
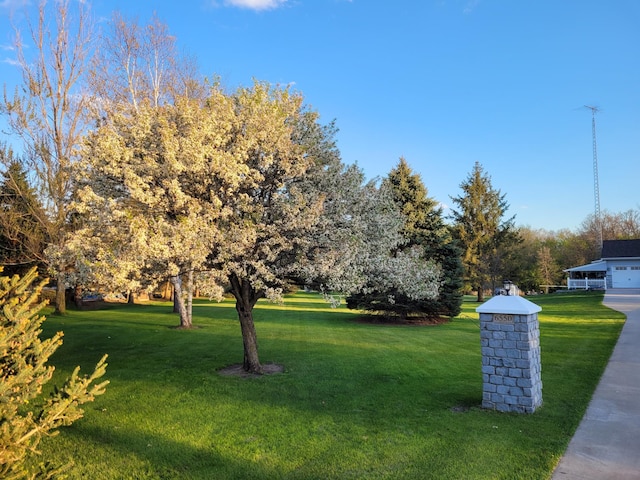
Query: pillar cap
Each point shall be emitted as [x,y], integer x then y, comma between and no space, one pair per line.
[513,304]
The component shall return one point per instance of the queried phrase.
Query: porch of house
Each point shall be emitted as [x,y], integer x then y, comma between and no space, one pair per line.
[589,277]
[586,283]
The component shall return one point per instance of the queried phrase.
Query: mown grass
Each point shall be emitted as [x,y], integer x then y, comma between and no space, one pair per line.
[355,400]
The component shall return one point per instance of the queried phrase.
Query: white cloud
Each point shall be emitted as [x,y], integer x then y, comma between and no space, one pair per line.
[255,4]
[11,61]
[470,6]
[13,4]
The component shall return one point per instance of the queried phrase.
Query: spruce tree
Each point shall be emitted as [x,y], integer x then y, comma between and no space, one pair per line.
[25,416]
[483,234]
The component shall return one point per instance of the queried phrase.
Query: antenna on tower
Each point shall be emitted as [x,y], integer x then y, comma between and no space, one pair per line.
[596,186]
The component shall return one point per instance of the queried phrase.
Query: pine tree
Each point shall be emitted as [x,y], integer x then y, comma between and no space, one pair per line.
[22,235]
[424,228]
[481,230]
[25,416]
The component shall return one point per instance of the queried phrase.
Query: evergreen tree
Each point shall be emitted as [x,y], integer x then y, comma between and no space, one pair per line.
[423,218]
[25,417]
[22,236]
[424,229]
[483,234]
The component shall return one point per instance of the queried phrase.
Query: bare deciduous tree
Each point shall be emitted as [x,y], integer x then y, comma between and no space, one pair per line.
[139,64]
[546,266]
[47,114]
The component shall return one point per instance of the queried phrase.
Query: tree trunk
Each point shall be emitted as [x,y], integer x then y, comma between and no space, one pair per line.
[131,298]
[185,320]
[61,298]
[251,362]
[190,296]
[176,302]
[246,299]
[480,294]
[77,296]
[167,291]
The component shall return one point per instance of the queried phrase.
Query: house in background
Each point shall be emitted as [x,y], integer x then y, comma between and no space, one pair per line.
[619,267]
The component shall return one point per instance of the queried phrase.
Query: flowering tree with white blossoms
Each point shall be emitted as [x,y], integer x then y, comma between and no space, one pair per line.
[300,215]
[270,215]
[358,246]
[149,193]
[248,186]
[425,236]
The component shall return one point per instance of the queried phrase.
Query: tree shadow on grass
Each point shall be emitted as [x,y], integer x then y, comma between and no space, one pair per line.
[237,370]
[152,456]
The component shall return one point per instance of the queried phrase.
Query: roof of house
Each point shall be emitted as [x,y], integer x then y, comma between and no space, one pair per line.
[598,266]
[620,248]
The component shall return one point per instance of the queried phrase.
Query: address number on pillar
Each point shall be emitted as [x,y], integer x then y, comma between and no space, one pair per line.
[502,318]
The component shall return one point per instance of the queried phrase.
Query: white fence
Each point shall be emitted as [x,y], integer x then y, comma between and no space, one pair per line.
[586,283]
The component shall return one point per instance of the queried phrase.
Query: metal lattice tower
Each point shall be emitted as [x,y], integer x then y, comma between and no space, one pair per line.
[596,186]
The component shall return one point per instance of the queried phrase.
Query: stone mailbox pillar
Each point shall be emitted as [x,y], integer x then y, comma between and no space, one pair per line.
[510,341]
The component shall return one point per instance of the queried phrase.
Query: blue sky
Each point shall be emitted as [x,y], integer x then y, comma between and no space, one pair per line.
[444,83]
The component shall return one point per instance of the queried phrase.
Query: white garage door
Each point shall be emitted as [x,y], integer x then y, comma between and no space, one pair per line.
[626,277]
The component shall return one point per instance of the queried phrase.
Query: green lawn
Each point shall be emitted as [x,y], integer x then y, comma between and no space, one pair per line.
[355,400]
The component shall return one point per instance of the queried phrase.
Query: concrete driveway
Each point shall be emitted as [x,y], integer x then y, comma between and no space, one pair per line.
[606,444]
